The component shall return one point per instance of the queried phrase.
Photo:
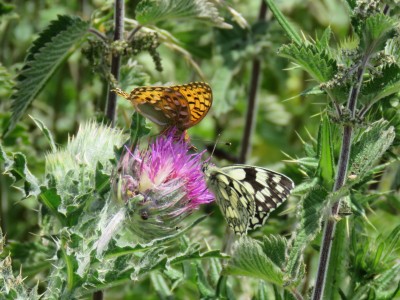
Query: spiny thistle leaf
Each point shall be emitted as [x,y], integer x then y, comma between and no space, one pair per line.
[74,168]
[12,287]
[371,145]
[49,51]
[43,128]
[316,62]
[154,11]
[386,84]
[249,259]
[291,32]
[16,167]
[310,225]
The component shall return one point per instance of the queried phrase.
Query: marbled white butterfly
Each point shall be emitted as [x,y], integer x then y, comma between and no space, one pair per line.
[246,194]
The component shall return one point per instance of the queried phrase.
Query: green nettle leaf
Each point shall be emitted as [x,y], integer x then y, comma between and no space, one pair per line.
[275,247]
[49,51]
[371,145]
[322,43]
[154,11]
[291,32]
[378,29]
[317,63]
[311,215]
[386,84]
[326,160]
[249,259]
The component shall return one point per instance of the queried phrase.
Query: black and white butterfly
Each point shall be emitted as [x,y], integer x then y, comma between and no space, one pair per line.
[247,194]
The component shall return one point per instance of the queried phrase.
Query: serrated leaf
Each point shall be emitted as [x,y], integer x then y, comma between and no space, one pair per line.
[311,215]
[326,163]
[322,43]
[16,167]
[275,247]
[291,32]
[377,30]
[386,84]
[249,259]
[316,62]
[49,51]
[154,11]
[371,145]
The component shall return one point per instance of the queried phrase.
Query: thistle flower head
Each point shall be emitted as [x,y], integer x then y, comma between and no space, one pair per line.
[163,184]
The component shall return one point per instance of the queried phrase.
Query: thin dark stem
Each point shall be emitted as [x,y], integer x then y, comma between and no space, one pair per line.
[252,100]
[119,13]
[133,32]
[115,60]
[98,34]
[340,180]
[250,120]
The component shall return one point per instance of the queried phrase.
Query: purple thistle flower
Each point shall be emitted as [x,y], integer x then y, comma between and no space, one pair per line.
[162,184]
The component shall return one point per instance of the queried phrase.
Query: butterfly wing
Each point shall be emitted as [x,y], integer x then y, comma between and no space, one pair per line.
[237,205]
[267,188]
[162,105]
[182,106]
[199,98]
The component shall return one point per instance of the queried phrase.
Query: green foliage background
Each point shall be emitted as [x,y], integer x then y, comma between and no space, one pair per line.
[287,126]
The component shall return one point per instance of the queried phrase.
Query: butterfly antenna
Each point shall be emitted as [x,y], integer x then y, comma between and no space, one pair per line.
[207,161]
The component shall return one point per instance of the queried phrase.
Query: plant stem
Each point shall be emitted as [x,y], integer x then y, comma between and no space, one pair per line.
[115,60]
[119,13]
[340,180]
[252,100]
[250,122]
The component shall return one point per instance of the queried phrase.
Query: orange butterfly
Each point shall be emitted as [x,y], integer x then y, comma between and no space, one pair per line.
[181,106]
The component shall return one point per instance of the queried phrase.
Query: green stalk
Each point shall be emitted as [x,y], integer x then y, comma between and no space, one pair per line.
[340,180]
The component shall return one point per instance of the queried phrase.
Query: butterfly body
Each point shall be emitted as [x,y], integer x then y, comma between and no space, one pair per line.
[247,194]
[180,106]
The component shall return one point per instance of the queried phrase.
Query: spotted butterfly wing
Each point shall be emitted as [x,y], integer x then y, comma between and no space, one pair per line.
[247,194]
[182,106]
[199,98]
